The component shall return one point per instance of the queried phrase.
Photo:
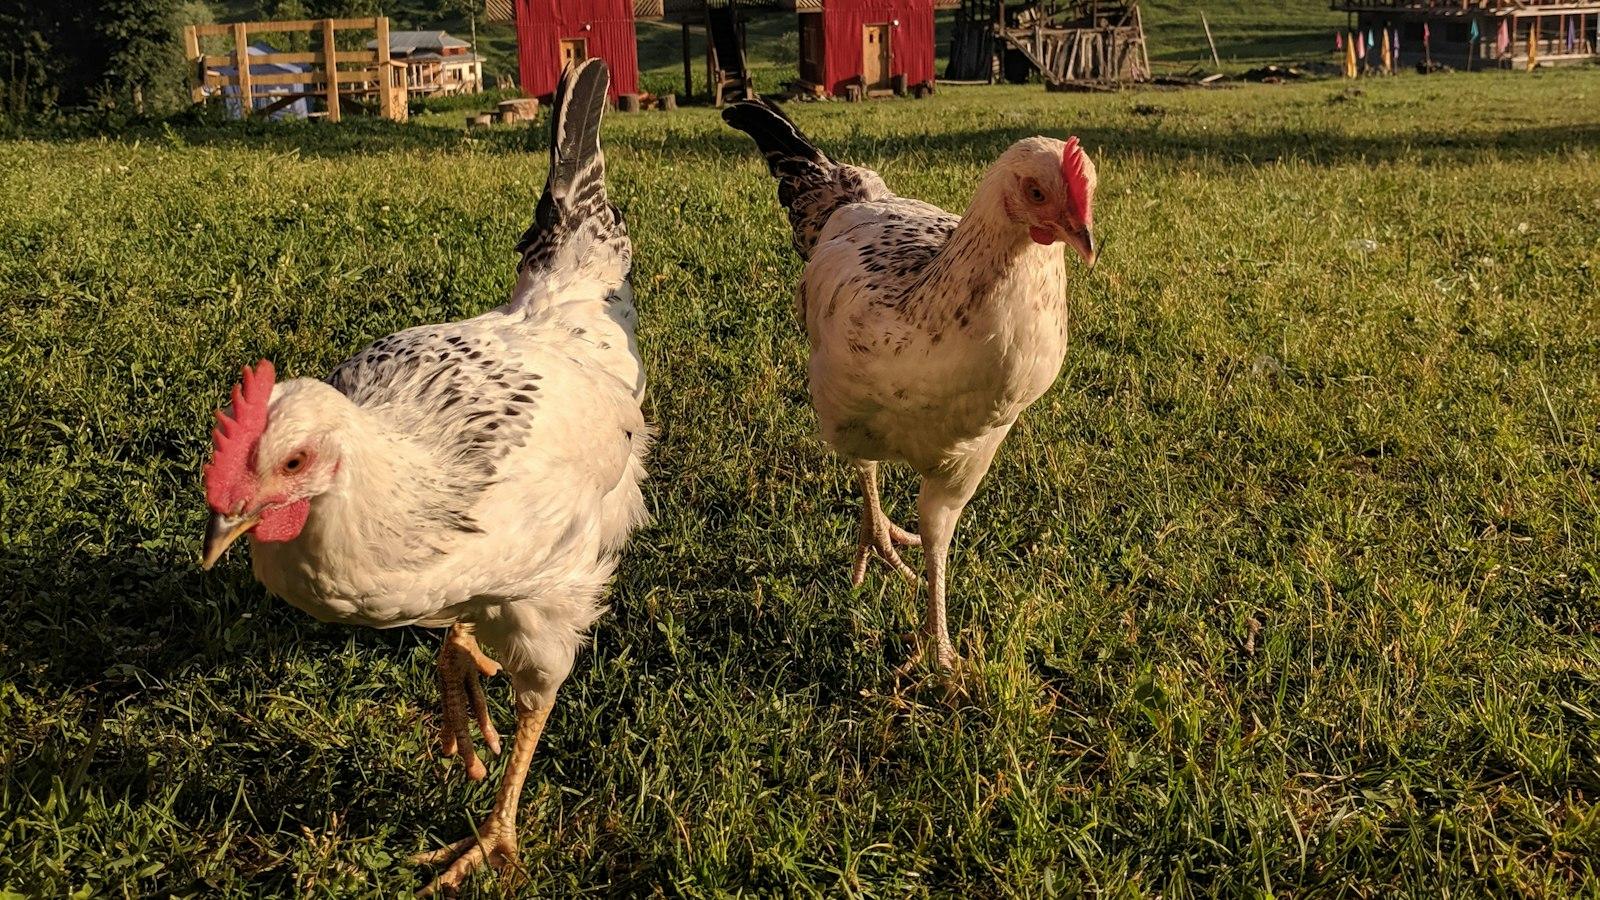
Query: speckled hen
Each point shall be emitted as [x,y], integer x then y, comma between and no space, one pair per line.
[480,475]
[930,333]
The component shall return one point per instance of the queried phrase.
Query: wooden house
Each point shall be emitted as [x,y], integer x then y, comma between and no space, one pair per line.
[865,48]
[552,33]
[1480,33]
[436,62]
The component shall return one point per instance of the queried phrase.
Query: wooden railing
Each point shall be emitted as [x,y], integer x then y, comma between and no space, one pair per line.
[369,73]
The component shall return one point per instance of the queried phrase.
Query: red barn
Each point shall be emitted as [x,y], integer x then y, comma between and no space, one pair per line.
[551,33]
[871,46]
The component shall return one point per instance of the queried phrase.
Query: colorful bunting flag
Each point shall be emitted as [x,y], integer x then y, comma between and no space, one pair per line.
[1504,40]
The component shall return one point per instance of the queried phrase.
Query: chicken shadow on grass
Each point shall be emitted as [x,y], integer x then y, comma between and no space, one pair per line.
[1145,136]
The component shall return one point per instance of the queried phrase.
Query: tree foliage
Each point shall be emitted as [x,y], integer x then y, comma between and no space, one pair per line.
[119,56]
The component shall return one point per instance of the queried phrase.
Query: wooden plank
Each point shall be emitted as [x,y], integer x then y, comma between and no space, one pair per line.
[330,67]
[385,101]
[191,54]
[275,78]
[285,25]
[1144,49]
[319,80]
[366,57]
[241,62]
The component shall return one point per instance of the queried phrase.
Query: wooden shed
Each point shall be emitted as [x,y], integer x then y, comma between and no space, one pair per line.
[864,48]
[551,33]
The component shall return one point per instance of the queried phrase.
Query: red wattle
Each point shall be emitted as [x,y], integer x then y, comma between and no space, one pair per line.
[282,523]
[1042,235]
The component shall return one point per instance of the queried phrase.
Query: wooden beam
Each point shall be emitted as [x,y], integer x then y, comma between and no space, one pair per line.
[688,64]
[286,25]
[330,64]
[275,78]
[367,57]
[241,60]
[1214,58]
[385,100]
[197,72]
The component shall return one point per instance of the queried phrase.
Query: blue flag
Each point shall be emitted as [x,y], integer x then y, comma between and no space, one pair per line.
[1474,29]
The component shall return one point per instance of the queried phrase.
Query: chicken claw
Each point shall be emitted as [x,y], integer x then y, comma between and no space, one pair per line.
[878,535]
[461,662]
[495,844]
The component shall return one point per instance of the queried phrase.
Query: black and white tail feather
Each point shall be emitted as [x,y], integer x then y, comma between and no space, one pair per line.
[577,234]
[811,186]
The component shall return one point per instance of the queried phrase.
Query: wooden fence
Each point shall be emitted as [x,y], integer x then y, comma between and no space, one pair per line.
[368,74]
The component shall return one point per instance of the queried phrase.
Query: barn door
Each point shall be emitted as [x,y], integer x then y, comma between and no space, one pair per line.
[573,51]
[875,56]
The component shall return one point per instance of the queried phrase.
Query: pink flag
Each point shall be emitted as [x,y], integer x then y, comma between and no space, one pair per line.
[1361,48]
[1504,41]
[1338,39]
[1425,34]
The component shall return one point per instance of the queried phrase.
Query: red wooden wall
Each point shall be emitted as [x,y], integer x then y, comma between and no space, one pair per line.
[605,25]
[910,43]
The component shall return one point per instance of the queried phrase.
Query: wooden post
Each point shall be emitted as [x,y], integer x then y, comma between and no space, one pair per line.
[688,65]
[712,82]
[330,69]
[997,60]
[386,98]
[241,63]
[197,67]
[1214,58]
[1144,47]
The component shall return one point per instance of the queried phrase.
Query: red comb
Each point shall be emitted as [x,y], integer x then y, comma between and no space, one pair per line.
[230,479]
[1073,162]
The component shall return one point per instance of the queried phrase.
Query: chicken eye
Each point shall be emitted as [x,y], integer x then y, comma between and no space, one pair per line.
[1035,194]
[294,463]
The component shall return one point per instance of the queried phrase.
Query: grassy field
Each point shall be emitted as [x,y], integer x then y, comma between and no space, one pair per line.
[1288,587]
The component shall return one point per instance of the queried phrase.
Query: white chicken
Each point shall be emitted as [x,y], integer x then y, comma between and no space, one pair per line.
[480,474]
[930,333]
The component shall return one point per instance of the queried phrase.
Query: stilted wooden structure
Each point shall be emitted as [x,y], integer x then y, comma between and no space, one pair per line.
[727,73]
[1515,34]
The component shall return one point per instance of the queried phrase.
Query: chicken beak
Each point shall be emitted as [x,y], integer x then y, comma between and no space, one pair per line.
[222,531]
[1082,240]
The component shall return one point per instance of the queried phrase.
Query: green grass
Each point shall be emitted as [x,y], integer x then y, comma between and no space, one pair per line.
[1289,586]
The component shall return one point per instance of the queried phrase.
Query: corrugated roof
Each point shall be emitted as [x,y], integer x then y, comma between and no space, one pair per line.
[408,42]
[453,58]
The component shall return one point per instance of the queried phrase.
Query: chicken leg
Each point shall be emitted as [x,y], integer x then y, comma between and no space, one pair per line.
[460,664]
[495,842]
[945,493]
[937,513]
[878,535]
